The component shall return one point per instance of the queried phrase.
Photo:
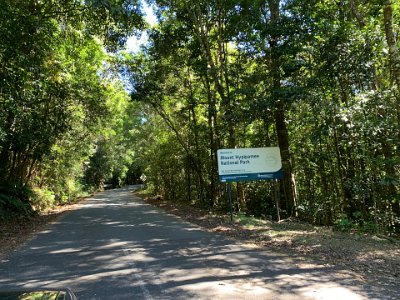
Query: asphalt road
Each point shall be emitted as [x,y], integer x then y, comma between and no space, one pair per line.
[114,246]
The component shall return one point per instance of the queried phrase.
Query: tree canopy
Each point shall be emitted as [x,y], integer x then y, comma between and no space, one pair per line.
[319,79]
[56,91]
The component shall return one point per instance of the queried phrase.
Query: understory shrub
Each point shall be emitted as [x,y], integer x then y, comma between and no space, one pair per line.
[42,199]
[14,201]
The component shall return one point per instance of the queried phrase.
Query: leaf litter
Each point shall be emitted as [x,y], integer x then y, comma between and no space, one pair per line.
[373,258]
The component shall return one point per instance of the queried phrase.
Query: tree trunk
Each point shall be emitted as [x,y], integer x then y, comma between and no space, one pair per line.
[394,58]
[217,84]
[280,118]
[393,48]
[197,151]
[394,61]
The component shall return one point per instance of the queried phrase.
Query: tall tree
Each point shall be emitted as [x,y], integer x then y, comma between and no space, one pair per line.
[51,65]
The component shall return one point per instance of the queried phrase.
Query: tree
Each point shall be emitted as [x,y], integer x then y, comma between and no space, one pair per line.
[310,76]
[50,77]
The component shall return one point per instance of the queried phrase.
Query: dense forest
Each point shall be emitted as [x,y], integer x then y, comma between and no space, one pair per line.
[318,78]
[65,115]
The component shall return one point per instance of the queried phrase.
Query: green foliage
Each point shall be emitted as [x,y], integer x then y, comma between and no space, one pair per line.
[99,169]
[42,199]
[357,224]
[12,207]
[113,156]
[55,88]
[318,79]
[135,170]
[260,199]
[14,201]
[322,72]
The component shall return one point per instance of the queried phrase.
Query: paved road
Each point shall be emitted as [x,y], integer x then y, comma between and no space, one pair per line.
[114,246]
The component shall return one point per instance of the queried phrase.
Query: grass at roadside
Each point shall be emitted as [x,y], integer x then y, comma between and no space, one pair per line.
[362,252]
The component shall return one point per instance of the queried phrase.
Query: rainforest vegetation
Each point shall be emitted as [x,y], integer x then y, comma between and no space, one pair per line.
[318,78]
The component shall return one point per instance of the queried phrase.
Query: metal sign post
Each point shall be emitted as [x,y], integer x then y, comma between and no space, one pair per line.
[230,200]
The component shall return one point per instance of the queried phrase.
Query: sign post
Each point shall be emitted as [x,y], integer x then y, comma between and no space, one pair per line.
[230,199]
[248,164]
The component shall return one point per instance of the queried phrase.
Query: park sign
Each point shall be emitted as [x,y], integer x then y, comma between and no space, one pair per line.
[248,164]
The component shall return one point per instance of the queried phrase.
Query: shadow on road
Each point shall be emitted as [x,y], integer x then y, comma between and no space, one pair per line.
[114,246]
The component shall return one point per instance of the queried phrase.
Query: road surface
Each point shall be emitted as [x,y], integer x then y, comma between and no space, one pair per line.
[114,246]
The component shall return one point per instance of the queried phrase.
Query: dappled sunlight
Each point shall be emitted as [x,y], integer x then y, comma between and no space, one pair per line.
[99,276]
[66,250]
[138,252]
[111,244]
[331,293]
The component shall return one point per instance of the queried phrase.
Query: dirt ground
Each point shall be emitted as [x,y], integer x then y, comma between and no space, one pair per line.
[16,233]
[374,258]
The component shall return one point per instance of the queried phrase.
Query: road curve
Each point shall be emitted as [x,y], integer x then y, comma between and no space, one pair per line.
[115,246]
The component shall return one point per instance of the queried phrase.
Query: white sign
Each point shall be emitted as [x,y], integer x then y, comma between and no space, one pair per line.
[143,177]
[249,164]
